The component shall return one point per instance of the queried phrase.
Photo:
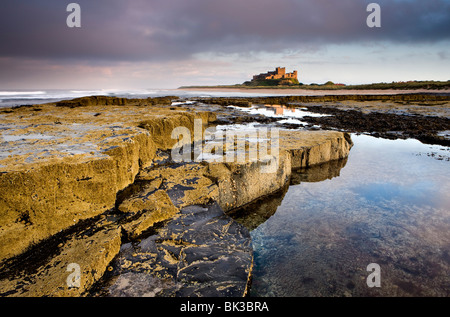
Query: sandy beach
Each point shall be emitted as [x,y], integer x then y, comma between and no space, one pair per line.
[307,92]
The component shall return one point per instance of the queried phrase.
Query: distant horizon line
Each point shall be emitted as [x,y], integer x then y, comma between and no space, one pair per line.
[34,89]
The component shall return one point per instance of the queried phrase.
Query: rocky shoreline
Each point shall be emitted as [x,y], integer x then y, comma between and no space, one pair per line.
[425,128]
[89,184]
[421,116]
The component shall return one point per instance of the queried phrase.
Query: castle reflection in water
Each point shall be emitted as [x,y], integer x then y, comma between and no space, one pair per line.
[279,109]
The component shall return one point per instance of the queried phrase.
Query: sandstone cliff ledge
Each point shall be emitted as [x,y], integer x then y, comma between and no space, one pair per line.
[62,167]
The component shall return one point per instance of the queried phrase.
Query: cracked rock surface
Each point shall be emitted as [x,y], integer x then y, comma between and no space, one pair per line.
[108,198]
[200,252]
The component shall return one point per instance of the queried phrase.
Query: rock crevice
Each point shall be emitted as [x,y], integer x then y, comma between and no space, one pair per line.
[55,178]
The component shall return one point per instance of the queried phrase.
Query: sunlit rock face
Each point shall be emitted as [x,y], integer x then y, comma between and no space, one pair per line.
[90,181]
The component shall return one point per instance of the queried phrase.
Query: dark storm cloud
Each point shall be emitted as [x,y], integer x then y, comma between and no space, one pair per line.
[159,30]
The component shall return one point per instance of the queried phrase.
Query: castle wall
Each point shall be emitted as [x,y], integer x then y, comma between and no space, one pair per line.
[279,73]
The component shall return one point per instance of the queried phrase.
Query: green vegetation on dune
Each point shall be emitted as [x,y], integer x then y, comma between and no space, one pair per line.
[294,84]
[291,82]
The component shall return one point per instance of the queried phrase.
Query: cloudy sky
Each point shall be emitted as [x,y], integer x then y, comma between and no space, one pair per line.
[140,44]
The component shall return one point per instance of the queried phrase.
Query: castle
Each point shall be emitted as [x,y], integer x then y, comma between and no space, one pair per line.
[279,73]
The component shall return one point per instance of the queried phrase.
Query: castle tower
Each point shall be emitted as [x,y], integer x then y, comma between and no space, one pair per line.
[281,71]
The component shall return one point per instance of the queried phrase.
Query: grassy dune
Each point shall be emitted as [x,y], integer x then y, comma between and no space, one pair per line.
[410,85]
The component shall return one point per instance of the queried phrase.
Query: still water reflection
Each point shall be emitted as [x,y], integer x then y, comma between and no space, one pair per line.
[388,204]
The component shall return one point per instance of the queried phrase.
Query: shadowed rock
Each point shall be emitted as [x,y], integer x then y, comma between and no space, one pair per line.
[170,216]
[201,252]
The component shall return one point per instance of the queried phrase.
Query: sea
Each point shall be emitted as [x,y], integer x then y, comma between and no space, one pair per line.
[13,98]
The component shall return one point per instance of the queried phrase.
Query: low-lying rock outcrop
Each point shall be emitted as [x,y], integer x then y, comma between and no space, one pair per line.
[94,185]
